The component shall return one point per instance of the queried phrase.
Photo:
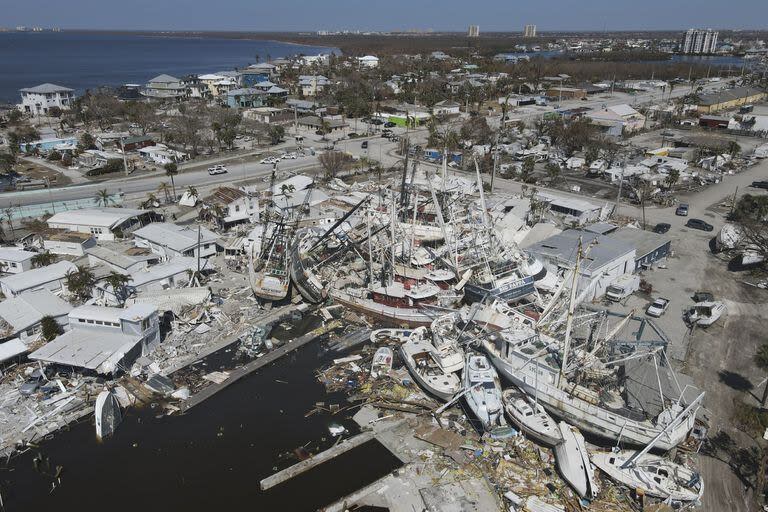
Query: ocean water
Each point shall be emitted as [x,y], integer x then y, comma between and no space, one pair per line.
[83,60]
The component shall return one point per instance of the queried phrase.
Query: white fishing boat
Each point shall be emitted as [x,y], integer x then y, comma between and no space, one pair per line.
[573,462]
[655,476]
[531,417]
[704,313]
[483,394]
[107,414]
[382,362]
[450,352]
[421,359]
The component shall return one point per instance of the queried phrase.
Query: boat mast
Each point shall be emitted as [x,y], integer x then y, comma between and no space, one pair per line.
[392,223]
[370,250]
[486,223]
[569,321]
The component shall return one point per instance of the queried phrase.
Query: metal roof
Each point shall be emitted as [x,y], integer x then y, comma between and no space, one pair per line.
[164,79]
[98,217]
[46,89]
[737,93]
[563,247]
[29,308]
[173,267]
[175,237]
[14,254]
[38,276]
[645,242]
[85,348]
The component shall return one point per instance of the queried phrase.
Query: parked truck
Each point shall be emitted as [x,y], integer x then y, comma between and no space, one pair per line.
[623,287]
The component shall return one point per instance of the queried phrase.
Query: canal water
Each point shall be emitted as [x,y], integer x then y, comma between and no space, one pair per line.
[211,458]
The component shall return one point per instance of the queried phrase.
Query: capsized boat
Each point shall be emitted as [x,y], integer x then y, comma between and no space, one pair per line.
[573,462]
[655,476]
[107,414]
[531,417]
[483,391]
[422,361]
[382,362]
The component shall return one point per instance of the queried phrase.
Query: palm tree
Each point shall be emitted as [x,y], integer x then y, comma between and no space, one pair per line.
[9,218]
[672,177]
[192,192]
[43,259]
[80,282]
[103,198]
[118,283]
[150,201]
[163,188]
[171,170]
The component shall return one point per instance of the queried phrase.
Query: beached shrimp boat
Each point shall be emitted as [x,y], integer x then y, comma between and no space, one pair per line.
[394,304]
[531,417]
[654,475]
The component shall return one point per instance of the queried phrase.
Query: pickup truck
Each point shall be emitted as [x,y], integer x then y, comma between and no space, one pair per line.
[658,307]
[623,287]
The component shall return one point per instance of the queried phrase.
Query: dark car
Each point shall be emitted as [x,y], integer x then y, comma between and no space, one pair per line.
[682,210]
[699,224]
[760,184]
[377,121]
[364,144]
[389,124]
[661,227]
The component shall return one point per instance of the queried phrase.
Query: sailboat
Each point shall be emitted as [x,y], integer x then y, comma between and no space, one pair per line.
[531,417]
[483,391]
[573,462]
[654,475]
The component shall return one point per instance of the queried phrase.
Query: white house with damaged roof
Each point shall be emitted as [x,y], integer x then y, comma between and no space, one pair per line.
[21,316]
[171,240]
[40,99]
[232,206]
[51,278]
[103,223]
[104,340]
[165,87]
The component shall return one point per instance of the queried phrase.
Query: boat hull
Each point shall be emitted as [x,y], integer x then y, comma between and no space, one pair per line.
[587,417]
[515,290]
[408,317]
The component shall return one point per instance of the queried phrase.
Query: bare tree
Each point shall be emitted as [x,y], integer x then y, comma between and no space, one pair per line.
[332,162]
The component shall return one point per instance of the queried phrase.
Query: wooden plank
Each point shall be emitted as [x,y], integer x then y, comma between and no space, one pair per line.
[306,465]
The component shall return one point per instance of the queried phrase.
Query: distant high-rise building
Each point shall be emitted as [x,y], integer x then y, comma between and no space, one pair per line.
[474,31]
[530,31]
[700,41]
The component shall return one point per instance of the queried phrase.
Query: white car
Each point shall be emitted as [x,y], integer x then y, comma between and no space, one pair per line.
[268,160]
[217,169]
[658,307]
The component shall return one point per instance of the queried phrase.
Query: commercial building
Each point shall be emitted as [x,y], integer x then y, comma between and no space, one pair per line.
[607,259]
[38,100]
[474,31]
[104,340]
[729,98]
[650,248]
[102,223]
[624,117]
[529,31]
[566,93]
[368,61]
[698,41]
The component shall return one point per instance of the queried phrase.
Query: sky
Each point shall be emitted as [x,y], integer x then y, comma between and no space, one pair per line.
[439,15]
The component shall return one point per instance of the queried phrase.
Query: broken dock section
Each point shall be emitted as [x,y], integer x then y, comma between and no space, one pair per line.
[306,465]
[237,374]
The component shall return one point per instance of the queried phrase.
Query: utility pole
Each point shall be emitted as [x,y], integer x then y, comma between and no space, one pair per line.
[125,162]
[199,238]
[495,160]
[618,196]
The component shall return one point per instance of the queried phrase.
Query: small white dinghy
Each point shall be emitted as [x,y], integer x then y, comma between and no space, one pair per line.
[382,362]
[483,391]
[573,462]
[421,359]
[531,417]
[107,413]
[655,476]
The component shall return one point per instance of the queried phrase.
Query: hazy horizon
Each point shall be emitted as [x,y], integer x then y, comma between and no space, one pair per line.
[390,15]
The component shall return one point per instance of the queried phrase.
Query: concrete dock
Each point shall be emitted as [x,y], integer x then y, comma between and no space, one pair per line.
[318,459]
